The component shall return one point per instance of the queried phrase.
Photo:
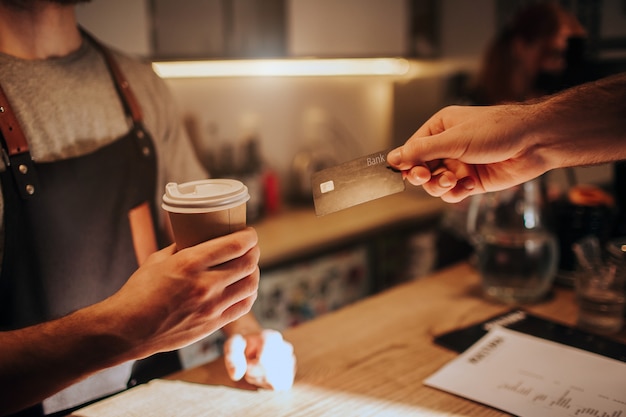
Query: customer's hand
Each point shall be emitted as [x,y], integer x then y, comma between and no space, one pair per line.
[264,359]
[462,151]
[176,298]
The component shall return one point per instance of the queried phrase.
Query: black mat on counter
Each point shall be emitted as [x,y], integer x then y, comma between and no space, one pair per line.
[524,322]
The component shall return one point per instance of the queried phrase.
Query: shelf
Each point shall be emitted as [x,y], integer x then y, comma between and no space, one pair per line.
[297,233]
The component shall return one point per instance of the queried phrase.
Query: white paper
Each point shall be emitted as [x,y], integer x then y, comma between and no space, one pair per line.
[163,398]
[529,376]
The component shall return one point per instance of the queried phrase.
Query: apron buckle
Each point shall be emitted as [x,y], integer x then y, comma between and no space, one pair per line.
[24,173]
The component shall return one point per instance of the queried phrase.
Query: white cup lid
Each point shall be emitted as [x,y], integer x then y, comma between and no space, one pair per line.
[204,195]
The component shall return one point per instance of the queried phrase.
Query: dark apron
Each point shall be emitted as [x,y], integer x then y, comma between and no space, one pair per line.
[68,239]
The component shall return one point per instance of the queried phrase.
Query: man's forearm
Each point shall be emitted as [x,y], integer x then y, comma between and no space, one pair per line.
[38,361]
[584,125]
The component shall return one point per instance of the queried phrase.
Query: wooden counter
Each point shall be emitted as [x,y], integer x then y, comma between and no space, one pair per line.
[298,232]
[379,350]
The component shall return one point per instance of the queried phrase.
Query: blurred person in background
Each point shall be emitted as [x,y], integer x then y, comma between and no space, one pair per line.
[530,56]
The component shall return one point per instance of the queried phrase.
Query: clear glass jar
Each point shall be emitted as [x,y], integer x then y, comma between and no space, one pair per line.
[517,254]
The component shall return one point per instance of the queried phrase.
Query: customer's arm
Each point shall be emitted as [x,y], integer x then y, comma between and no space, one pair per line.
[462,151]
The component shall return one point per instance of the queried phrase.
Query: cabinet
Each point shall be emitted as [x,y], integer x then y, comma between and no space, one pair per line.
[218,28]
[303,290]
[196,29]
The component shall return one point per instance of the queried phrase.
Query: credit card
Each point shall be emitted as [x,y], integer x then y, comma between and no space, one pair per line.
[354,182]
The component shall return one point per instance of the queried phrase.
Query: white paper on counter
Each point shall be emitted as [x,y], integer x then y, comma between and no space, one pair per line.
[164,398]
[529,376]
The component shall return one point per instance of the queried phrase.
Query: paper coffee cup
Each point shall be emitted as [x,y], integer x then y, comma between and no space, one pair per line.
[205,209]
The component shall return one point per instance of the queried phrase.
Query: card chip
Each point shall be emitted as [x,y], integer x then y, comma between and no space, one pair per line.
[327,186]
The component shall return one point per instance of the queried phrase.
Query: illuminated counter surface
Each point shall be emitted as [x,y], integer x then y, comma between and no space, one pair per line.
[298,232]
[378,351]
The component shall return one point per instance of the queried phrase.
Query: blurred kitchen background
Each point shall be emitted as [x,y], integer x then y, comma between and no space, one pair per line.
[255,117]
[325,117]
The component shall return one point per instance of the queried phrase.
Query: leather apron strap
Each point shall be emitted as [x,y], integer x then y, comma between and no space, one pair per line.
[15,150]
[123,87]
[131,105]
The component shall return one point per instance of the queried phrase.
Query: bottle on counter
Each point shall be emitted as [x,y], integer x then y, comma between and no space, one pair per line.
[517,253]
[261,180]
[251,174]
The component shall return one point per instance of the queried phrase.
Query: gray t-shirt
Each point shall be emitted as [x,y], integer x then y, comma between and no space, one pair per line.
[68,107]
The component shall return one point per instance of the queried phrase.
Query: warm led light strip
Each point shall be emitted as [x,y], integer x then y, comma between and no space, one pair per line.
[283,67]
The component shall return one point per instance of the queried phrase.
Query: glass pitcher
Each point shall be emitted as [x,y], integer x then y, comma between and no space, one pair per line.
[517,254]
